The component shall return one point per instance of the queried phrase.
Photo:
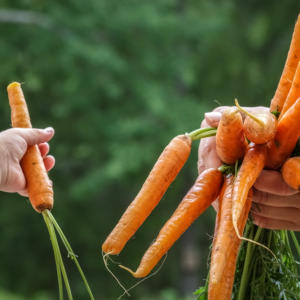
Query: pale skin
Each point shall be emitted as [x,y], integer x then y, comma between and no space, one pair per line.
[275,204]
[13,146]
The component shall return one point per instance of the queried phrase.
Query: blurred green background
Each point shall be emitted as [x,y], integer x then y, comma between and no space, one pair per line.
[117,80]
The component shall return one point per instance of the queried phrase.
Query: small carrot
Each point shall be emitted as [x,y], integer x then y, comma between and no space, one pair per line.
[291,172]
[259,127]
[294,92]
[251,167]
[289,69]
[161,176]
[196,201]
[225,244]
[230,140]
[287,134]
[38,183]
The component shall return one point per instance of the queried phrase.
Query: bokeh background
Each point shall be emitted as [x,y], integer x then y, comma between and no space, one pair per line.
[117,80]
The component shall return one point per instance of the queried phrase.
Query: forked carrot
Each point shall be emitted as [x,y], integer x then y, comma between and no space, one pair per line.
[291,172]
[287,134]
[225,244]
[289,69]
[161,176]
[259,127]
[230,140]
[38,183]
[252,165]
[294,92]
[204,191]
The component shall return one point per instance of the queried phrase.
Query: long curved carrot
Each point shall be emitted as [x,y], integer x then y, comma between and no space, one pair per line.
[225,244]
[230,140]
[291,172]
[252,165]
[294,92]
[204,191]
[161,176]
[288,72]
[287,134]
[38,183]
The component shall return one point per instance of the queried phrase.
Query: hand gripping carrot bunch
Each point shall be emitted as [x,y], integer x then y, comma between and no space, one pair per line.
[252,141]
[40,189]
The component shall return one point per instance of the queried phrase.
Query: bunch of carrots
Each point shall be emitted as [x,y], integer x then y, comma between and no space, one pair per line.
[246,143]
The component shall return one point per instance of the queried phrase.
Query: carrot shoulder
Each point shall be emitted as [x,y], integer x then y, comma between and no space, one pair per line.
[225,245]
[291,172]
[38,183]
[161,176]
[289,69]
[252,165]
[230,141]
[287,134]
[204,191]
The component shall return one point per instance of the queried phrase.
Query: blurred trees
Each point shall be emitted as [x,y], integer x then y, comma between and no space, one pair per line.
[117,80]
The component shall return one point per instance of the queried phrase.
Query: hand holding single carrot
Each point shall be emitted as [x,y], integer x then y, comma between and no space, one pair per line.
[13,145]
[277,206]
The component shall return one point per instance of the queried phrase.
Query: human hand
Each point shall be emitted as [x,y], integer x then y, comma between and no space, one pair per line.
[13,146]
[276,205]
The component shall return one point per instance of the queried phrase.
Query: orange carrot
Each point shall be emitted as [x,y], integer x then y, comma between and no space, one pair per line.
[161,176]
[225,245]
[289,69]
[288,132]
[196,201]
[230,141]
[291,172]
[293,94]
[259,127]
[251,167]
[38,184]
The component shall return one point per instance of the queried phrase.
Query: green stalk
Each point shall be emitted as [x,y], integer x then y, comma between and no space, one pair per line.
[202,133]
[70,252]
[297,246]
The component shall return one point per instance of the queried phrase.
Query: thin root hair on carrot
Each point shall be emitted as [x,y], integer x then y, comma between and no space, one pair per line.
[147,277]
[105,257]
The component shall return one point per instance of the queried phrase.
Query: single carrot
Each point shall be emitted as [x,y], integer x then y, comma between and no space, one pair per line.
[38,183]
[291,172]
[287,134]
[204,191]
[252,165]
[288,72]
[259,127]
[161,176]
[230,140]
[225,245]
[293,94]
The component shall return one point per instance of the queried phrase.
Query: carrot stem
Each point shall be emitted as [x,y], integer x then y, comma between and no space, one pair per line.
[248,113]
[70,251]
[296,243]
[202,133]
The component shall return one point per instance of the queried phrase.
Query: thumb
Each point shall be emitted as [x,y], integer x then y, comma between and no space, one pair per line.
[34,136]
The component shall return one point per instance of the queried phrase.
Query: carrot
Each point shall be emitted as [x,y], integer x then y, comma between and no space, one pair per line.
[225,245]
[291,172]
[289,69]
[288,132]
[259,127]
[197,200]
[251,167]
[38,183]
[161,176]
[293,94]
[230,141]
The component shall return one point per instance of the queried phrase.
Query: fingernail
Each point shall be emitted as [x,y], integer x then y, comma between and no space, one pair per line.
[49,129]
[212,117]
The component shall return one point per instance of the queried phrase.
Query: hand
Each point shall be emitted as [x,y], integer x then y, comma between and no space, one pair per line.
[13,145]
[276,205]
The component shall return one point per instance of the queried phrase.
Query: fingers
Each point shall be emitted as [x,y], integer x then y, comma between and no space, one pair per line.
[213,118]
[272,182]
[44,149]
[33,136]
[49,162]
[276,200]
